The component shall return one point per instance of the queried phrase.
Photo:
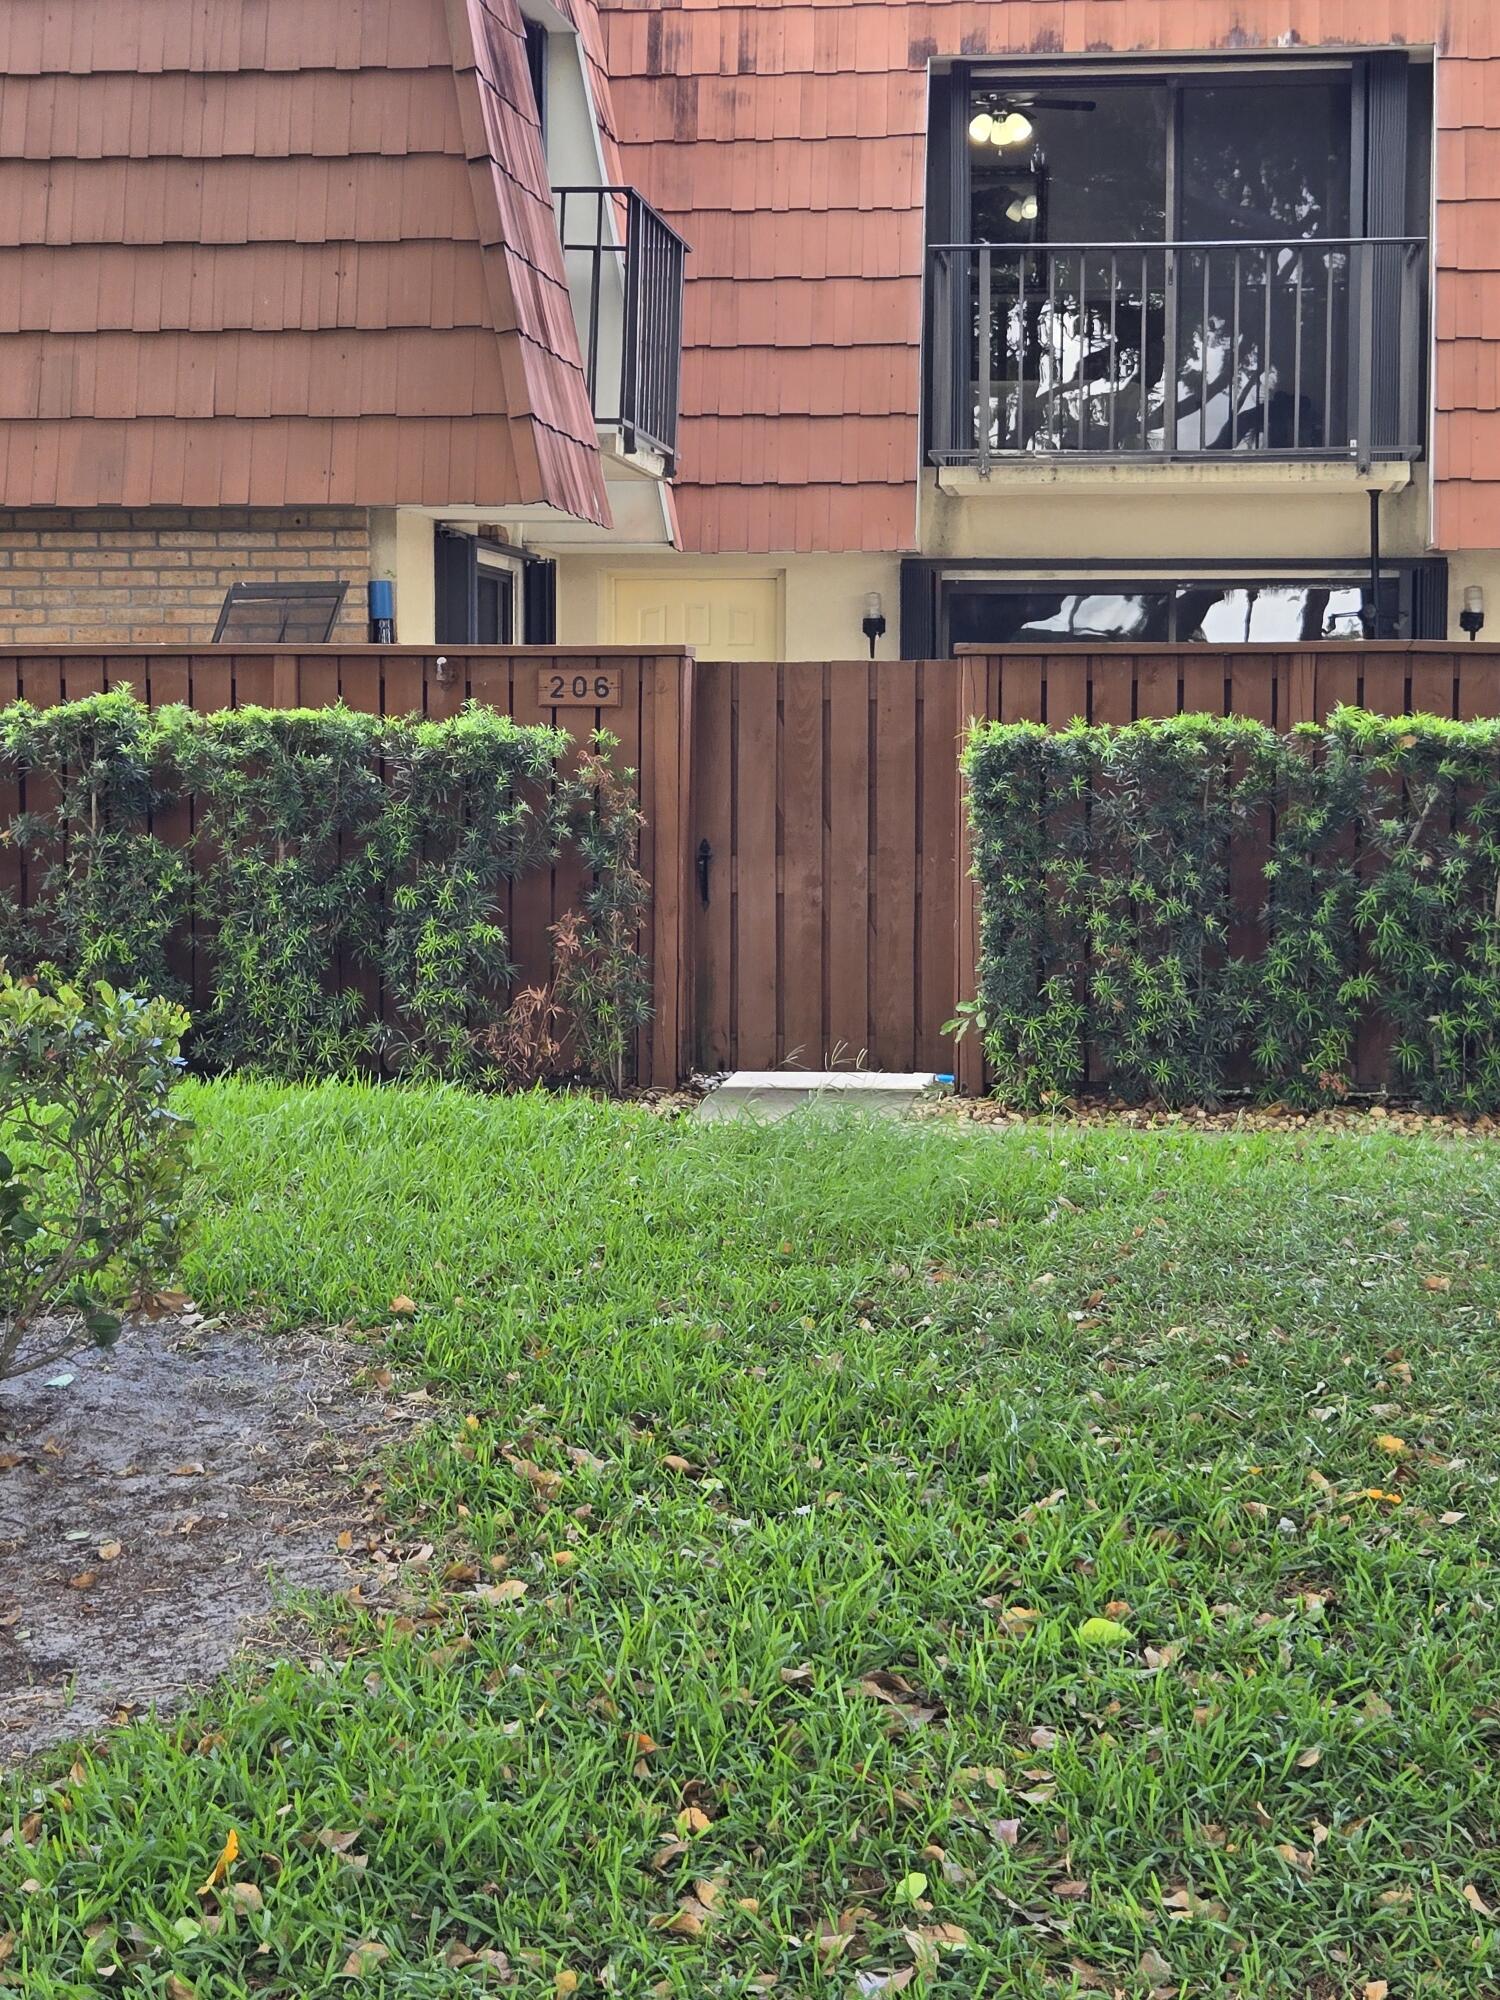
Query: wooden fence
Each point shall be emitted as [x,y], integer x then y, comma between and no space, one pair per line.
[805,833]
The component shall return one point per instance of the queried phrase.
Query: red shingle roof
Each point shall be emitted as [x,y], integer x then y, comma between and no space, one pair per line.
[281,252]
[785,139]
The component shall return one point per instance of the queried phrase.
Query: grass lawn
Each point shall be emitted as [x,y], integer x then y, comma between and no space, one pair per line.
[831,1442]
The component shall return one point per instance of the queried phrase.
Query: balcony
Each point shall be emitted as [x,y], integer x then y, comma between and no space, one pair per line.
[625,268]
[1300,350]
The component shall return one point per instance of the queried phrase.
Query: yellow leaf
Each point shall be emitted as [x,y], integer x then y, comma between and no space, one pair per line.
[228,1855]
[1437,1284]
[1395,1447]
[403,1305]
[1308,1759]
[111,1551]
[1475,1901]
[565,1558]
[566,1982]
[509,1592]
[367,1956]
[693,1819]
[1377,1989]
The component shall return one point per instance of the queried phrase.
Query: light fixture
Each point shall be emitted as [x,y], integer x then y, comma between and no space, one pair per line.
[1014,129]
[1471,618]
[981,129]
[1025,208]
[874,620]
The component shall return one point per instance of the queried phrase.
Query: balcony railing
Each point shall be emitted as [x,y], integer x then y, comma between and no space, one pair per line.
[1305,349]
[625,271]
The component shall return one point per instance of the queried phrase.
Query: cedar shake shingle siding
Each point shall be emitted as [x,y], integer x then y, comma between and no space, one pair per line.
[786,139]
[281,253]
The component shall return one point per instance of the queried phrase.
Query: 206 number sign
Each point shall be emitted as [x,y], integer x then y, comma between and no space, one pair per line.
[578,687]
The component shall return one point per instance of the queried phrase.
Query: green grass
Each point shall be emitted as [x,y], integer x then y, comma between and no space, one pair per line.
[920,1379]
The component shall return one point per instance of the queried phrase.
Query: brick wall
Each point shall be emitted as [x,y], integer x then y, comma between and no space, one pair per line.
[102,576]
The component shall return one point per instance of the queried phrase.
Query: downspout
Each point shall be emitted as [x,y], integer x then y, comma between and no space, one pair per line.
[1373,622]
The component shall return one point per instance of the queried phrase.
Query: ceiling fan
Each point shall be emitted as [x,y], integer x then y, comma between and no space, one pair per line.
[1005,122]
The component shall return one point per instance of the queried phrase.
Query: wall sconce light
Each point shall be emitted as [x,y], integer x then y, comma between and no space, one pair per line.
[442,671]
[1471,618]
[874,620]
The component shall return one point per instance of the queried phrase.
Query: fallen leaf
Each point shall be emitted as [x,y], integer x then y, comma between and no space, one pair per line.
[1394,1898]
[1437,1284]
[1475,1901]
[674,1463]
[111,1551]
[336,1841]
[1393,1447]
[85,1580]
[1004,1832]
[509,1592]
[244,1895]
[1376,1989]
[1153,1966]
[1101,1632]
[1043,1739]
[1308,1759]
[228,1855]
[1071,1890]
[403,1305]
[178,1989]
[192,1470]
[693,1819]
[869,1984]
[566,1982]
[367,1956]
[911,1888]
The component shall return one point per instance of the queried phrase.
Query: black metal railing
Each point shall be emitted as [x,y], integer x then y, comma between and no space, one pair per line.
[1310,349]
[626,267]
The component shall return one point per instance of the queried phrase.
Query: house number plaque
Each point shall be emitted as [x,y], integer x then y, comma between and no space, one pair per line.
[578,687]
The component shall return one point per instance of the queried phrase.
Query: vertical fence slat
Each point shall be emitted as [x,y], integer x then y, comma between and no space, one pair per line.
[938,880]
[715,775]
[848,750]
[893,939]
[802,889]
[755,867]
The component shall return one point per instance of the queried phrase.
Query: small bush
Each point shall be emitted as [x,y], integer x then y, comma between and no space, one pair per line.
[332,882]
[93,1164]
[1180,906]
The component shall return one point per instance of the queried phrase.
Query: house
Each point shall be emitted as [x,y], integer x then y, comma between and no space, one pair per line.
[949,257]
[780,330]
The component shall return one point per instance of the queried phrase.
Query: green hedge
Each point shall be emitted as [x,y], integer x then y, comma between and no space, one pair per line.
[338,875]
[1176,908]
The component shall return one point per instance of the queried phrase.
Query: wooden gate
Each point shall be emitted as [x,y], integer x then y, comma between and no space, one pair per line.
[825,864]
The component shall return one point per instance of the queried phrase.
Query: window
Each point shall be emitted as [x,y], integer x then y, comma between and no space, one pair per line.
[536,63]
[1118,260]
[1209,610]
[476,591]
[274,614]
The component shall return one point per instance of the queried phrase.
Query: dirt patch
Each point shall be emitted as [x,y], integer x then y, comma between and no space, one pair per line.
[154,1507]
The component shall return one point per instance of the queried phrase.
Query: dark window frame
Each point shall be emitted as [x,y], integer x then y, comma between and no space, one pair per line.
[538,41]
[288,595]
[927,585]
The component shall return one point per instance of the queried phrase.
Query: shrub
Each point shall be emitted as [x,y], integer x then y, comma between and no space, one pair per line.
[332,881]
[1178,906]
[94,1164]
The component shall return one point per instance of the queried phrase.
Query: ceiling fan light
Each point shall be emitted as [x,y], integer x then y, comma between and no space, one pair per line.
[981,129]
[1014,129]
